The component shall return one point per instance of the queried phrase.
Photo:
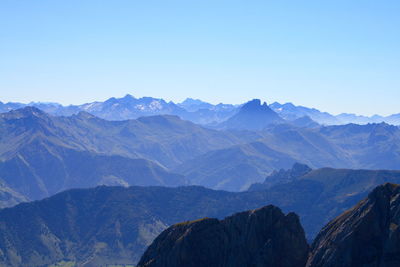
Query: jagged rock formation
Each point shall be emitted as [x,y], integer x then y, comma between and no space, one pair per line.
[252,116]
[366,235]
[282,177]
[106,226]
[262,237]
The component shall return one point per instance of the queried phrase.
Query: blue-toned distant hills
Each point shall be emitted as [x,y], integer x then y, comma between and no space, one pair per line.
[42,154]
[197,111]
[154,151]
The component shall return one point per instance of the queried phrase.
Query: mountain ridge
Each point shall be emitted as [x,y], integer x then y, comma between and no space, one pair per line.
[260,237]
[194,110]
[123,221]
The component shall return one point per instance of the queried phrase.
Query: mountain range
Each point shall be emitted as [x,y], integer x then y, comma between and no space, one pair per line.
[97,185]
[42,154]
[366,235]
[197,111]
[371,146]
[114,225]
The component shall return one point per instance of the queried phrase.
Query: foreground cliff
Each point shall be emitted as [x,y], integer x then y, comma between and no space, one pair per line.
[366,235]
[262,237]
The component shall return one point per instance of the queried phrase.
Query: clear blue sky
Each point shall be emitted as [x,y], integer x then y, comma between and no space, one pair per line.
[338,56]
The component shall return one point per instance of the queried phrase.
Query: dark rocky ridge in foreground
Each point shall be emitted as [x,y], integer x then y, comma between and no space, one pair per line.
[366,235]
[261,237]
[114,225]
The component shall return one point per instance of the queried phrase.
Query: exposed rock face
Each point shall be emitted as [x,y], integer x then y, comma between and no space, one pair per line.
[262,237]
[366,235]
[252,116]
[282,177]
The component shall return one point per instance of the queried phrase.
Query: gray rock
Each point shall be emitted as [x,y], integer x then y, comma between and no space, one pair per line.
[261,237]
[366,235]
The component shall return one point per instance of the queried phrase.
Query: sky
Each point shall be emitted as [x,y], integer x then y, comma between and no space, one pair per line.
[337,56]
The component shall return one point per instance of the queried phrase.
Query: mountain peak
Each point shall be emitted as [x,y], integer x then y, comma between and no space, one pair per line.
[253,116]
[25,112]
[128,96]
[261,237]
[366,235]
[385,191]
[85,115]
[255,105]
[282,177]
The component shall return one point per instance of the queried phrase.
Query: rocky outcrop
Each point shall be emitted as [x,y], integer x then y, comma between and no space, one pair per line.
[261,237]
[281,177]
[366,235]
[253,115]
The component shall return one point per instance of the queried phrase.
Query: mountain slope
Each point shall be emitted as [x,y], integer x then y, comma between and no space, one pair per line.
[114,225]
[290,112]
[323,194]
[167,140]
[252,116]
[43,169]
[282,177]
[262,237]
[105,225]
[237,167]
[366,235]
[372,146]
[234,168]
[9,197]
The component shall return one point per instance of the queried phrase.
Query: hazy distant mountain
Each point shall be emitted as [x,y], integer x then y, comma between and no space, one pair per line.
[237,167]
[291,112]
[393,119]
[206,113]
[304,122]
[195,110]
[165,139]
[372,146]
[234,168]
[130,107]
[42,154]
[281,177]
[42,169]
[218,159]
[252,116]
[193,105]
[114,225]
